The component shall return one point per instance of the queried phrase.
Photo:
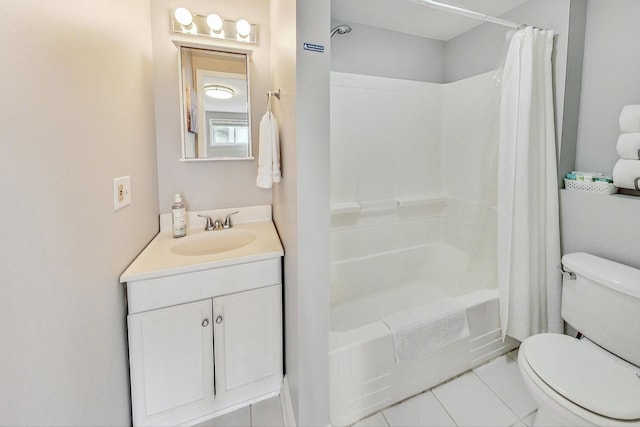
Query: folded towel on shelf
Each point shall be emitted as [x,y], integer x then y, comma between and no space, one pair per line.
[269,152]
[630,118]
[628,146]
[422,330]
[626,174]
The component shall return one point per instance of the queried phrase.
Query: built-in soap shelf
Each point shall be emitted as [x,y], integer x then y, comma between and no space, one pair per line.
[345,208]
[382,206]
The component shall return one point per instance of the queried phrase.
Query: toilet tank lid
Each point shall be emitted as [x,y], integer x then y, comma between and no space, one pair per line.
[614,275]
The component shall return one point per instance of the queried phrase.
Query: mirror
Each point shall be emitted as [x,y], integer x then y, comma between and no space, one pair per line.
[216,119]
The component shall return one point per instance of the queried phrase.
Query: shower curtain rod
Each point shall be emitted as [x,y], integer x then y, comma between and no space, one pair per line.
[468,13]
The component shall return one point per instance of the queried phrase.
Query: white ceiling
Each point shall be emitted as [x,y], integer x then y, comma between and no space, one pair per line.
[411,17]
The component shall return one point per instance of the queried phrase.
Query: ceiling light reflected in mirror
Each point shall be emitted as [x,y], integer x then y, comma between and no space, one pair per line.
[218,92]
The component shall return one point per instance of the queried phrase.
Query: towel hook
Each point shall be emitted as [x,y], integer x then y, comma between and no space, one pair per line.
[275,93]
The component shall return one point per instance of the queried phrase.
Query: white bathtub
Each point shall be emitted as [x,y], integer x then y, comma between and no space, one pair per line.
[364,376]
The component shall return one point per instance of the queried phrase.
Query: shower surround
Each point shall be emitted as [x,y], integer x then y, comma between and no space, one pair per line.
[407,189]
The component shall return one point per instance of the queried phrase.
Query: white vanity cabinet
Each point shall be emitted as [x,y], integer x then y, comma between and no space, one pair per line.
[218,348]
[248,344]
[171,362]
[205,320]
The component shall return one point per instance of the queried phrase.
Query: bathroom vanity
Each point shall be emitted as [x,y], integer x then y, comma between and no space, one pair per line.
[205,319]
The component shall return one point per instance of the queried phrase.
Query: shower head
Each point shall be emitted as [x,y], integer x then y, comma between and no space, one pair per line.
[340,29]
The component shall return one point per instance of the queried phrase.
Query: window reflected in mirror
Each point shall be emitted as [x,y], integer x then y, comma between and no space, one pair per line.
[216,118]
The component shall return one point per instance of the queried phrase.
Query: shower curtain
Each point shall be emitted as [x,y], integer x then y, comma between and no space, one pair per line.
[529,276]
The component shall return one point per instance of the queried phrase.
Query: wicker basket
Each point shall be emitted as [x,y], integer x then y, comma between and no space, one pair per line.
[594,187]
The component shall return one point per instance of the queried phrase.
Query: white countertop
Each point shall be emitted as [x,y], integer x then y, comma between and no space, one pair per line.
[157,259]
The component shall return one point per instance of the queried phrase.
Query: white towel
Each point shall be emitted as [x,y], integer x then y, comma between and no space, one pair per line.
[427,328]
[626,174]
[630,119]
[628,146]
[269,152]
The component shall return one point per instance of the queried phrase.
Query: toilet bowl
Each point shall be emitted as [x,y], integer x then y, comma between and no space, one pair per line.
[577,383]
[594,380]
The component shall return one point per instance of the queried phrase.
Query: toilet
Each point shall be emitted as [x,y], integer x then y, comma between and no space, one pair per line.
[593,379]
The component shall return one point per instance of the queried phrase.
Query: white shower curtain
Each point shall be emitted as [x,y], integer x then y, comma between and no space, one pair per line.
[529,276]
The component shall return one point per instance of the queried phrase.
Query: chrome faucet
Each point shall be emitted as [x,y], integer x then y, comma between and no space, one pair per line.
[211,224]
[227,220]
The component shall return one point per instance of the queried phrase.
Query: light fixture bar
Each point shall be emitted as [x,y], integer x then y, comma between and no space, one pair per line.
[227,31]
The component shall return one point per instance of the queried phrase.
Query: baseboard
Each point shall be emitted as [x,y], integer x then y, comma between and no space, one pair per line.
[628,192]
[287,405]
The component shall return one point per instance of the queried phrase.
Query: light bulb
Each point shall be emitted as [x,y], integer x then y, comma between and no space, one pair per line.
[243,28]
[214,22]
[183,16]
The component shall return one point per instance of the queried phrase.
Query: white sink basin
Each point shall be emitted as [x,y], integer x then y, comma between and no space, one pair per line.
[252,238]
[213,242]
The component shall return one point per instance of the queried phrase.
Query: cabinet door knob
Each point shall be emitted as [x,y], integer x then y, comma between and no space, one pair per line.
[219,320]
[205,323]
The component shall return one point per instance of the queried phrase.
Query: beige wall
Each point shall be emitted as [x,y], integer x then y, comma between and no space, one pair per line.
[76,111]
[301,201]
[209,184]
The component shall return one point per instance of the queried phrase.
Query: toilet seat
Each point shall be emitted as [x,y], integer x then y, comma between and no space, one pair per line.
[581,377]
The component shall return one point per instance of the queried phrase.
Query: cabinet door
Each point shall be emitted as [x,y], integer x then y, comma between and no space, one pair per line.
[248,344]
[171,358]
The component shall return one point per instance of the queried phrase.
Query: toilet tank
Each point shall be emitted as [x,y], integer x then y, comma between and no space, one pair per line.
[602,302]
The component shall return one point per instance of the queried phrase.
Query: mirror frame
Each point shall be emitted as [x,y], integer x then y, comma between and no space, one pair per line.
[183,126]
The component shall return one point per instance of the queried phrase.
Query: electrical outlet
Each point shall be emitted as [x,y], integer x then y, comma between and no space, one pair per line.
[121,192]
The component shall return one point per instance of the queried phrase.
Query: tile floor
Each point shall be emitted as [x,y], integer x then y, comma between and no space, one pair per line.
[267,413]
[493,394]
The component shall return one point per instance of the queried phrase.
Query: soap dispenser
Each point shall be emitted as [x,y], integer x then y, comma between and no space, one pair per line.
[178,217]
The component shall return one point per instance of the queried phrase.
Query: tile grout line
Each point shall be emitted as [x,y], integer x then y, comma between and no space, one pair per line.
[529,414]
[385,418]
[444,408]
[496,395]
[508,355]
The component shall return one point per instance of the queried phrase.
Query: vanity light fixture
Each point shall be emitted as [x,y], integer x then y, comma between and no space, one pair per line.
[215,22]
[184,17]
[218,92]
[212,25]
[243,28]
